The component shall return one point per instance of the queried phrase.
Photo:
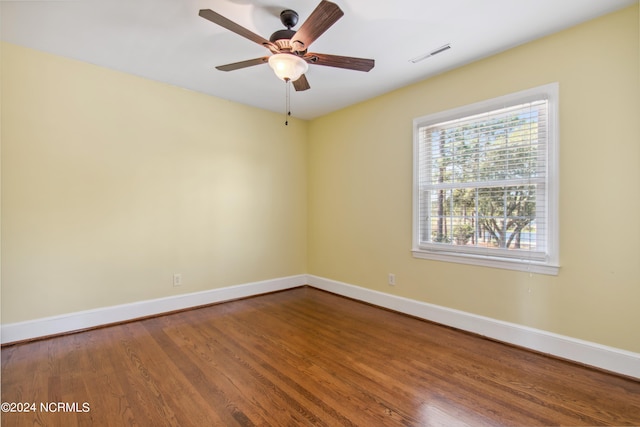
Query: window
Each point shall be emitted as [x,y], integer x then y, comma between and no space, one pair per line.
[486,183]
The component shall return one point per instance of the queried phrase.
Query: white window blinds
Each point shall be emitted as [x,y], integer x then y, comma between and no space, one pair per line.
[483,180]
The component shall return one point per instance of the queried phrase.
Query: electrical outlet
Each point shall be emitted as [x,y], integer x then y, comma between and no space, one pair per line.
[392,279]
[177,279]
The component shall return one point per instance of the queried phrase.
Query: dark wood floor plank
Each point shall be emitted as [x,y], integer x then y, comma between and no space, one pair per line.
[226,337]
[303,357]
[390,367]
[215,378]
[283,372]
[296,338]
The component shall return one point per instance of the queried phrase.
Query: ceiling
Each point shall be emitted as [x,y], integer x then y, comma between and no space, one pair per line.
[166,41]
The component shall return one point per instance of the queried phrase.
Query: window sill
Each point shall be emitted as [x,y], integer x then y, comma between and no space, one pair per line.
[486,261]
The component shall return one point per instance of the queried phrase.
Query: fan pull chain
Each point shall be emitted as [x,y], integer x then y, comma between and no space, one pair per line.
[288,102]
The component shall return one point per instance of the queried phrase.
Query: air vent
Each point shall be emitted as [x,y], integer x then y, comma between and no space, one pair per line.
[432,53]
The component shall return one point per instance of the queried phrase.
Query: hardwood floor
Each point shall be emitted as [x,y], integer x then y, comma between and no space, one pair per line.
[296,358]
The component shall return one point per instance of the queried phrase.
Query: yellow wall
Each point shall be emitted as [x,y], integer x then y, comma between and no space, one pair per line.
[112,183]
[360,188]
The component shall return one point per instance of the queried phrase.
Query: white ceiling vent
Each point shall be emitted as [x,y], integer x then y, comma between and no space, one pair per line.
[432,53]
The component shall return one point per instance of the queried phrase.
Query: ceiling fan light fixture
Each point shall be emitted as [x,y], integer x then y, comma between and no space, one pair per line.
[288,66]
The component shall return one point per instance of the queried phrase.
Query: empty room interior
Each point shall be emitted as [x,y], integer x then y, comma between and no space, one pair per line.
[177,249]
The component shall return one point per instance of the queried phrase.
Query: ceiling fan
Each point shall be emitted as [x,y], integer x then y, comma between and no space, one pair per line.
[289,48]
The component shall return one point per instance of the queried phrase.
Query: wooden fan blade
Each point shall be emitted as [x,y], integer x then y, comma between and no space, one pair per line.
[324,16]
[301,84]
[243,64]
[218,19]
[348,62]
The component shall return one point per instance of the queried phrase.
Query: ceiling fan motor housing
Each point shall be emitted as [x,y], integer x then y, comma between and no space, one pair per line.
[281,38]
[281,35]
[289,18]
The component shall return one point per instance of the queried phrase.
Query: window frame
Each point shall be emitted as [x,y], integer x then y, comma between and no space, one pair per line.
[549,263]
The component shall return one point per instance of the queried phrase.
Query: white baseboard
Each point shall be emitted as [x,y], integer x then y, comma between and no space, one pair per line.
[585,352]
[20,331]
[589,353]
